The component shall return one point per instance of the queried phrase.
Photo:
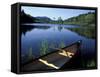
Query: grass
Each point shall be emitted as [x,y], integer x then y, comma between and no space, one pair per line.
[44,47]
[91,63]
[30,54]
[62,45]
[88,64]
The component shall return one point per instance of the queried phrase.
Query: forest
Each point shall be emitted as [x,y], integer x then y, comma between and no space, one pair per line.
[87,19]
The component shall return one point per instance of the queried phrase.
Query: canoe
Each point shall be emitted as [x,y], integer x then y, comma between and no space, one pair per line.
[55,59]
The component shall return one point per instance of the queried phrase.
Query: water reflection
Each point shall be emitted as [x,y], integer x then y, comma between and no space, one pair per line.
[88,32]
[27,28]
[37,39]
[60,28]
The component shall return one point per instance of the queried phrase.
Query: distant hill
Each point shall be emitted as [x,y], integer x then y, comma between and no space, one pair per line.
[43,19]
[87,19]
[82,19]
[26,18]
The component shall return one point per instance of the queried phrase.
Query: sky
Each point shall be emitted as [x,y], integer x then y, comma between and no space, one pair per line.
[53,12]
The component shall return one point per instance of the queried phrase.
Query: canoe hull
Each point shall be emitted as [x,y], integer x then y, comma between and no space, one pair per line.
[54,60]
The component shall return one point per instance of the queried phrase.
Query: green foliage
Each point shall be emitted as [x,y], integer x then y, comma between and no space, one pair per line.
[43,19]
[88,32]
[82,19]
[44,47]
[62,45]
[26,18]
[91,63]
[30,54]
[86,22]
[88,64]
[60,21]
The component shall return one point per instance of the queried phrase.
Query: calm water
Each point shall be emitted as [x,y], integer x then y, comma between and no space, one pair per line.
[33,34]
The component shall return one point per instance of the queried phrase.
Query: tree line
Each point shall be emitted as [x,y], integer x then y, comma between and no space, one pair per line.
[82,19]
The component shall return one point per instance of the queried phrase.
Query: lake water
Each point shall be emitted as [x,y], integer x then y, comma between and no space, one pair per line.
[32,36]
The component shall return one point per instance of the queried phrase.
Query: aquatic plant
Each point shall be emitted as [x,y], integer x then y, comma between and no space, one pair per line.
[91,63]
[28,57]
[87,64]
[61,45]
[44,47]
[30,54]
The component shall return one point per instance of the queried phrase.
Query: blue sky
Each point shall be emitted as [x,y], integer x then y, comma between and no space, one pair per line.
[53,12]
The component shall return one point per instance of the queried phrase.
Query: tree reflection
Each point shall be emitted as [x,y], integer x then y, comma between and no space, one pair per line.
[26,28]
[60,28]
[88,32]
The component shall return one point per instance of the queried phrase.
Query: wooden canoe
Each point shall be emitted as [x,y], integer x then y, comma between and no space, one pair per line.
[54,60]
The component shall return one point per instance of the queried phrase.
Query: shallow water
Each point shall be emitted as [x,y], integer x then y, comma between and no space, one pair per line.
[33,35]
